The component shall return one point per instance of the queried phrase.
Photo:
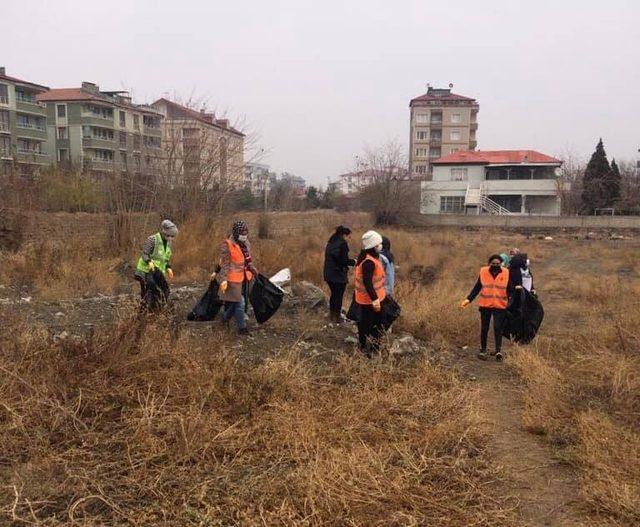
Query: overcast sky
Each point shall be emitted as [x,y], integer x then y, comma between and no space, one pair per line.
[317,81]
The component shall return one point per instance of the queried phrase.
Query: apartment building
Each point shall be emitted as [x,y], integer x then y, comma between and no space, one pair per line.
[23,121]
[200,149]
[102,131]
[501,182]
[441,123]
[259,178]
[297,183]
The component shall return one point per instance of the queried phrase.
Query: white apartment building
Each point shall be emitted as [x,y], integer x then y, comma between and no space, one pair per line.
[258,178]
[493,182]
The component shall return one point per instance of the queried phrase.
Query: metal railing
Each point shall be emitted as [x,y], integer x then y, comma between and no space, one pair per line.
[476,197]
[30,152]
[30,126]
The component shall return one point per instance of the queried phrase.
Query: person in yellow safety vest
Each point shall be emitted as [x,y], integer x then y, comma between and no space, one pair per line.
[236,271]
[495,286]
[369,293]
[156,254]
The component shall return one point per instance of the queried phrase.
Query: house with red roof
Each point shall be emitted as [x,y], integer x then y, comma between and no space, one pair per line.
[499,182]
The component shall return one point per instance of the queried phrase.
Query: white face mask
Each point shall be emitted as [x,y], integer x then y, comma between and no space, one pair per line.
[243,238]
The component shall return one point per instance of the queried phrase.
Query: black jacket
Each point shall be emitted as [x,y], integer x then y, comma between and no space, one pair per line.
[336,260]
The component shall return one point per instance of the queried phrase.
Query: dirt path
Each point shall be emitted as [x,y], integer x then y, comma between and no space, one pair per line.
[543,487]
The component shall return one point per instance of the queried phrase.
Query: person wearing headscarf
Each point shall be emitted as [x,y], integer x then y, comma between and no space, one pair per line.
[495,286]
[336,267]
[369,293]
[519,263]
[236,271]
[156,254]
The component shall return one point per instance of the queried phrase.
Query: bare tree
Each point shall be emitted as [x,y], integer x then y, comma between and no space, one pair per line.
[387,188]
[570,183]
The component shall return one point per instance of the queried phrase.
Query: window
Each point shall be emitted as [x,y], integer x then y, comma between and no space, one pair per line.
[123,159]
[100,111]
[103,155]
[421,152]
[458,174]
[136,161]
[421,169]
[136,142]
[422,135]
[435,152]
[26,121]
[456,118]
[136,122]
[63,154]
[436,118]
[23,96]
[4,94]
[151,142]
[454,149]
[123,139]
[422,118]
[4,120]
[28,147]
[62,110]
[5,145]
[451,204]
[62,132]
[455,135]
[123,119]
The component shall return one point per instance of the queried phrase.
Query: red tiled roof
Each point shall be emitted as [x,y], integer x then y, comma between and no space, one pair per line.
[207,118]
[20,81]
[498,157]
[68,94]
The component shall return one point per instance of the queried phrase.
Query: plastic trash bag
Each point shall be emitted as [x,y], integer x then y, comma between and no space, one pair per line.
[525,315]
[390,311]
[282,278]
[157,291]
[354,310]
[265,298]
[208,306]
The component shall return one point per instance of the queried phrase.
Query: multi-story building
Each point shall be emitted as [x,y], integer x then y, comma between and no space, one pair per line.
[23,126]
[493,182]
[258,178]
[102,131]
[298,183]
[441,123]
[200,149]
[351,183]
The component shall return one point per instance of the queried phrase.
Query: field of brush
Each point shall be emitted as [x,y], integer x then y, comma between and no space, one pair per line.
[134,425]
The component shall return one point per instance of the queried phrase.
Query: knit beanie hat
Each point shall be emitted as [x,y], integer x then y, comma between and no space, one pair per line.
[371,239]
[168,228]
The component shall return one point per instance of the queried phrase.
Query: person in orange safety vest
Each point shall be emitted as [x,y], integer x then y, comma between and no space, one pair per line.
[494,288]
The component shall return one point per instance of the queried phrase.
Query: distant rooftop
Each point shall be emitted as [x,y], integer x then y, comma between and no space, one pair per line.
[443,95]
[14,80]
[496,157]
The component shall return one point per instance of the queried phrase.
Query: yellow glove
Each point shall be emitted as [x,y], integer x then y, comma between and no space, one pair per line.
[170,274]
[223,287]
[376,306]
[152,266]
[213,276]
[464,303]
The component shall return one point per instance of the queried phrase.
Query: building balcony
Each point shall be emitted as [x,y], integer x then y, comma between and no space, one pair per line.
[94,142]
[97,120]
[4,100]
[155,131]
[38,157]
[39,134]
[528,186]
[99,164]
[435,141]
[31,107]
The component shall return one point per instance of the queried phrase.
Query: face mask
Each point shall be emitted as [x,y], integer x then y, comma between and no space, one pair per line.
[243,238]
[495,266]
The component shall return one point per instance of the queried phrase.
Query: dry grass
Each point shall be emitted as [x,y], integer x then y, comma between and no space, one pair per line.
[120,430]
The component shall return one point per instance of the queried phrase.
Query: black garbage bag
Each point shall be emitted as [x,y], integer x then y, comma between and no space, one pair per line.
[390,311]
[208,306]
[525,314]
[354,310]
[265,298]
[157,291]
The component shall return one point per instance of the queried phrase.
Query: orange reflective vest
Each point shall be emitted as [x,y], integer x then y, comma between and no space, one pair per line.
[362,297]
[494,290]
[237,272]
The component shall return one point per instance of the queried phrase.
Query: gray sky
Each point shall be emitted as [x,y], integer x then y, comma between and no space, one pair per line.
[320,80]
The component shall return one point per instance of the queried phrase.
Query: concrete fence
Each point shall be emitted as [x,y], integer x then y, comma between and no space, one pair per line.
[524,222]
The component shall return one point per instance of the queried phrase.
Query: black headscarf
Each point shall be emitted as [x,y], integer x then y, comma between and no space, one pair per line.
[386,249]
[341,230]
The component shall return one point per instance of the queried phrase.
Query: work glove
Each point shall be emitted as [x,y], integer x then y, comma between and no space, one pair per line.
[376,305]
[152,266]
[213,276]
[170,274]
[223,287]
[464,303]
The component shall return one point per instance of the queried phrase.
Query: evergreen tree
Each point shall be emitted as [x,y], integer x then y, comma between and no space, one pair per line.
[594,183]
[613,184]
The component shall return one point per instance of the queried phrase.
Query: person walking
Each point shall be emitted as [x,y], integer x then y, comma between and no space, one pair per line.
[388,262]
[369,293]
[236,271]
[495,285]
[336,267]
[156,254]
[519,263]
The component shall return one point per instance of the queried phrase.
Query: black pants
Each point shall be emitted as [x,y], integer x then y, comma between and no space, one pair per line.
[143,285]
[337,294]
[499,318]
[370,330]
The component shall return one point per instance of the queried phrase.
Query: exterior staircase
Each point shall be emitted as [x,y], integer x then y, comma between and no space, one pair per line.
[475,197]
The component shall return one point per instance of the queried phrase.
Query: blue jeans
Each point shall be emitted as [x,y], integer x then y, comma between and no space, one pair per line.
[235,310]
